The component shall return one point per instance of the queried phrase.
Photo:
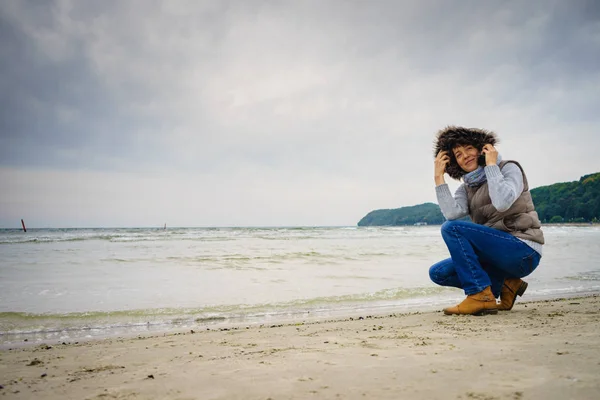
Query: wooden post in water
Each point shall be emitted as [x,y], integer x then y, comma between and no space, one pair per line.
[23,224]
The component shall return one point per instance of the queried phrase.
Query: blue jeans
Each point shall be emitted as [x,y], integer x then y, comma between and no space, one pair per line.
[480,257]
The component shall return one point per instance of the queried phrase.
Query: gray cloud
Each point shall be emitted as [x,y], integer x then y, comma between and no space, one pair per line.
[281,112]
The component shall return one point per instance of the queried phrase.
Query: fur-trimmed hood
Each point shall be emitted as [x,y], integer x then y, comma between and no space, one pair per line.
[452,136]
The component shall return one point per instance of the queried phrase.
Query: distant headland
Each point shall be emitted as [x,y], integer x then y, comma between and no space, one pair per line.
[565,202]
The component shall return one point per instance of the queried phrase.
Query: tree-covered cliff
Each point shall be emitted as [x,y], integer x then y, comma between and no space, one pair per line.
[577,201]
[423,213]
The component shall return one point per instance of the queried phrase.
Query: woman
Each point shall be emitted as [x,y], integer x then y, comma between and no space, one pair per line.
[504,242]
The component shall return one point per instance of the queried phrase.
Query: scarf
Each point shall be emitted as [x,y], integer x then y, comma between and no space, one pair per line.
[477,177]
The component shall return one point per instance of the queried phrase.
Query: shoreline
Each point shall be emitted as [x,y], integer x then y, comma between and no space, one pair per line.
[541,349]
[94,332]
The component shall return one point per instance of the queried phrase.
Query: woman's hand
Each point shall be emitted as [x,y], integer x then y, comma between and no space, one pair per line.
[491,154]
[441,161]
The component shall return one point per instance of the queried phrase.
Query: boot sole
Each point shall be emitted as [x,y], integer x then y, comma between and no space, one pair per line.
[490,311]
[522,288]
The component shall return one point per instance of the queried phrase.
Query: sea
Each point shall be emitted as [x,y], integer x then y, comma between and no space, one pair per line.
[71,285]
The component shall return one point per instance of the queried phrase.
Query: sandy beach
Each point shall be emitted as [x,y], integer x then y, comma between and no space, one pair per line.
[547,349]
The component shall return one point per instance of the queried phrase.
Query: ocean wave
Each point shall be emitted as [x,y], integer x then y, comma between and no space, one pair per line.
[585,276]
[153,236]
[12,323]
[37,236]
[110,238]
[236,260]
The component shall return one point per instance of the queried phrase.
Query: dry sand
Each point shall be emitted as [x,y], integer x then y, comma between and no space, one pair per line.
[540,350]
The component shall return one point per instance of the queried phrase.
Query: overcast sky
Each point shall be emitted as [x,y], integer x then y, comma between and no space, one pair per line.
[279,113]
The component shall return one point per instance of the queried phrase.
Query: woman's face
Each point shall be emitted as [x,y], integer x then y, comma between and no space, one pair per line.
[466,157]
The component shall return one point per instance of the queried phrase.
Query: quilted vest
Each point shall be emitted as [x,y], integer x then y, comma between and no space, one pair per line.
[520,220]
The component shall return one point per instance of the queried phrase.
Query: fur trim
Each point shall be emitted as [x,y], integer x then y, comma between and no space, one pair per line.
[452,136]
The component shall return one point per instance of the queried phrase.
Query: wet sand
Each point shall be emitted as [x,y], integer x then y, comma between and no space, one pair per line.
[539,350]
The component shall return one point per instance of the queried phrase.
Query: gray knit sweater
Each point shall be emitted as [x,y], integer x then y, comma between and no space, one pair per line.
[504,186]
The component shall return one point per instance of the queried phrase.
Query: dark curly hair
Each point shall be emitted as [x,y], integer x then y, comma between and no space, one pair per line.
[452,136]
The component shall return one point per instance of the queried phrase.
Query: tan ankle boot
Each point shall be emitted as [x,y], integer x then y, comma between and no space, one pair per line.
[480,303]
[512,288]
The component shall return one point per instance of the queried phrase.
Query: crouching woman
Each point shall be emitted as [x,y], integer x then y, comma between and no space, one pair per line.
[503,243]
